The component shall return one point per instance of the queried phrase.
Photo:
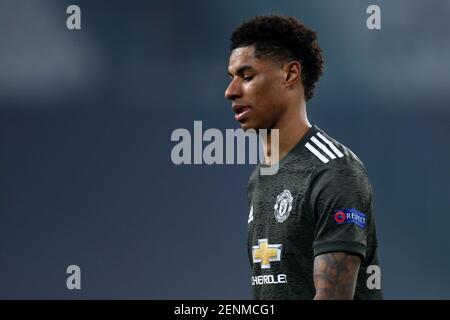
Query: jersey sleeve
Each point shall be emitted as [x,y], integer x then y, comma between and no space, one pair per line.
[341,202]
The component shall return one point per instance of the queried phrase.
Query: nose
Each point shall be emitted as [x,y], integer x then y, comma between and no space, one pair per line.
[233,91]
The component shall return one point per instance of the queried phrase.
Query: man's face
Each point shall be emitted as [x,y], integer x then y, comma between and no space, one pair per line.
[256,89]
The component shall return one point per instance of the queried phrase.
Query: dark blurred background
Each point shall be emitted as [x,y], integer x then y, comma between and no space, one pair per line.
[86,116]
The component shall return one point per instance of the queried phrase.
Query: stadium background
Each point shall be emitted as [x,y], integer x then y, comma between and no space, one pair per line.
[85,122]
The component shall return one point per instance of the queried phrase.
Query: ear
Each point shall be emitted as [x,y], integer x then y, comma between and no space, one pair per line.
[292,71]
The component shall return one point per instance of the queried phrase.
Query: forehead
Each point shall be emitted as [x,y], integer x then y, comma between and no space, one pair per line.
[244,56]
[242,53]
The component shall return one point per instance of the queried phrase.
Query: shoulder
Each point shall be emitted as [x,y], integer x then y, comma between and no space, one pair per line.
[328,154]
[335,165]
[324,149]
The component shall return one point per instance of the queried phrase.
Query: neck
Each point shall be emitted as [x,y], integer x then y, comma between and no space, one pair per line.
[292,127]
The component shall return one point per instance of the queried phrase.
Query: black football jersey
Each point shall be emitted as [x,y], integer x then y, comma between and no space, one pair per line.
[319,201]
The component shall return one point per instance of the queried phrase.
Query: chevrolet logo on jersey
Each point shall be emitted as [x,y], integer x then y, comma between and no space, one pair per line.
[265,253]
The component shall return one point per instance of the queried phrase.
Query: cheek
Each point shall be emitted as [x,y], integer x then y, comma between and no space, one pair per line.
[269,97]
[264,92]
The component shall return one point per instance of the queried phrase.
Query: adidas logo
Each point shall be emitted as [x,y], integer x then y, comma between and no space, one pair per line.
[326,147]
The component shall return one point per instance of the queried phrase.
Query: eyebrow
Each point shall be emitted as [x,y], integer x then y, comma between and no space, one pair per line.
[242,70]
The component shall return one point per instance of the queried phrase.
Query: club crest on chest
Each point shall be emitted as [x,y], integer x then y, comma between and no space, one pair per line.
[283,206]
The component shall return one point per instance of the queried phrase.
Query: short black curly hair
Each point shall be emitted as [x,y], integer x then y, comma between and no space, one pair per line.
[283,39]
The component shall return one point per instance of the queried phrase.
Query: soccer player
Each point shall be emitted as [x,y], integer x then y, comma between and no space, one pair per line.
[311,228]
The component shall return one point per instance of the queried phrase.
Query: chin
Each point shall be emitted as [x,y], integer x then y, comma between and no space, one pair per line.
[252,125]
[247,125]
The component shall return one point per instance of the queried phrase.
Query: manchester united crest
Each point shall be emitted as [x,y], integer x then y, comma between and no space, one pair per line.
[283,206]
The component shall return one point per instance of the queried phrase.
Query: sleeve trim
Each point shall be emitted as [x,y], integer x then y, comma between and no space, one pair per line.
[351,247]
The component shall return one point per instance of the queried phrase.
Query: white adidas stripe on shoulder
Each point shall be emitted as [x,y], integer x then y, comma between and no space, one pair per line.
[316,152]
[327,147]
[332,146]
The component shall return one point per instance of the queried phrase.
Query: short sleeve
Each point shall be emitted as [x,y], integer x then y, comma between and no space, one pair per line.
[341,202]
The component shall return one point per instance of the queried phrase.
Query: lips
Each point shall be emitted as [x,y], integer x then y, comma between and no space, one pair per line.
[241,112]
